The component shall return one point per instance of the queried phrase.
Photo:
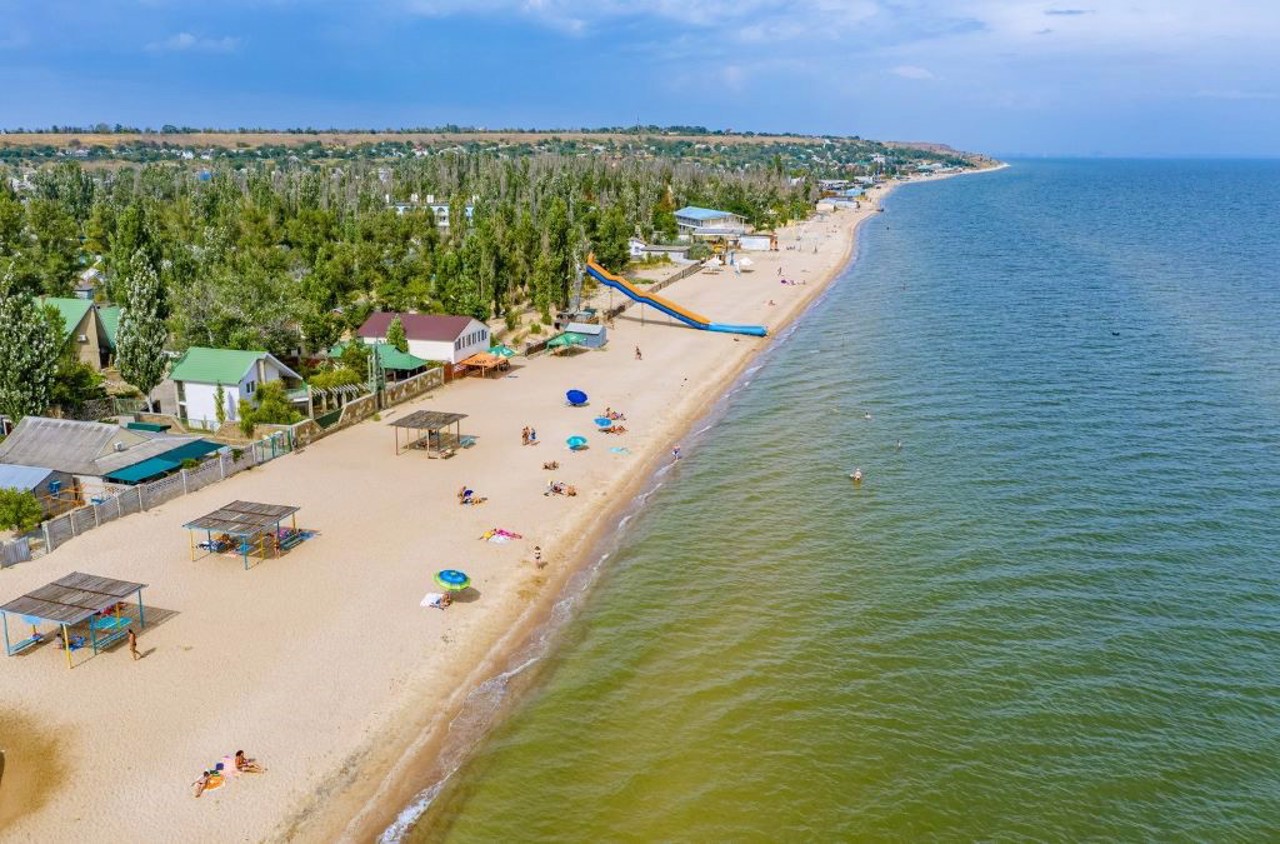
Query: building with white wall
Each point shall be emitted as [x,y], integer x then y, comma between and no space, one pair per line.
[200,371]
[438,337]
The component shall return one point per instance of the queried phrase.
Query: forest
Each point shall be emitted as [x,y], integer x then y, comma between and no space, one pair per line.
[286,255]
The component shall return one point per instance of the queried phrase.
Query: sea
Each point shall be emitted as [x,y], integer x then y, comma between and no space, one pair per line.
[1050,611]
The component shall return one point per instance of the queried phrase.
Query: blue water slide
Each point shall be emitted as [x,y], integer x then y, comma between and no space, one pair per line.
[668,307]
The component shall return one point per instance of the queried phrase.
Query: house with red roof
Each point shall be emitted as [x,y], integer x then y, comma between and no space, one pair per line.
[438,337]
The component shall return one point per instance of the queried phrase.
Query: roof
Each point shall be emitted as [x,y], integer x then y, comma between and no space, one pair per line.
[22,477]
[388,355]
[72,599]
[162,465]
[110,316]
[484,360]
[243,518]
[440,328]
[693,212]
[72,311]
[221,366]
[584,328]
[82,448]
[431,420]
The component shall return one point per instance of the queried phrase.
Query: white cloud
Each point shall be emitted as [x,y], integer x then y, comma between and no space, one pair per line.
[186,42]
[910,71]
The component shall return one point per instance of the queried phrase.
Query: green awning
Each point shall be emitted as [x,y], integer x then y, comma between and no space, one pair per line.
[148,426]
[164,464]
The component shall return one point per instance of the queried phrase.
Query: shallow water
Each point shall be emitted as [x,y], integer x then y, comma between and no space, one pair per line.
[1052,613]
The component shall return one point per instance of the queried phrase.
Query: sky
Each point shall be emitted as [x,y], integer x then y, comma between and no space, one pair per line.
[1005,77]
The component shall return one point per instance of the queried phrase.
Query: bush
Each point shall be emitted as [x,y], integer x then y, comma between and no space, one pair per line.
[19,509]
[273,409]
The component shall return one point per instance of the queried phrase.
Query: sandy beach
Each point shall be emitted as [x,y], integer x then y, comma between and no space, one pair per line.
[322,664]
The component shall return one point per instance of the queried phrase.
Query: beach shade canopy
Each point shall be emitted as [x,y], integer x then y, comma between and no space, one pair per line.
[452,580]
[577,398]
[502,350]
[576,442]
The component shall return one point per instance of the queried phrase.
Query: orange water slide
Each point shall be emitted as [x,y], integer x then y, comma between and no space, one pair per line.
[643,296]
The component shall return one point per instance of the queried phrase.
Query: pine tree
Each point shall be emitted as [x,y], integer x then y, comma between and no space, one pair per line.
[28,356]
[396,336]
[141,337]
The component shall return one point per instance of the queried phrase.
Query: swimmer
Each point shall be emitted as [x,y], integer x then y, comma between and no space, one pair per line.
[857,476]
[897,446]
[867,416]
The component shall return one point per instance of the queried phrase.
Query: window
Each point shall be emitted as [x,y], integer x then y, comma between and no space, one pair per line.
[457,345]
[250,388]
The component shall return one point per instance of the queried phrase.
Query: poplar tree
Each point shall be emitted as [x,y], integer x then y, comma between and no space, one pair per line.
[141,337]
[396,336]
[28,356]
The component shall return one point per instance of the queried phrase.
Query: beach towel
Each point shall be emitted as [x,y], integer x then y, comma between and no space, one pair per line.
[620,449]
[500,535]
[433,599]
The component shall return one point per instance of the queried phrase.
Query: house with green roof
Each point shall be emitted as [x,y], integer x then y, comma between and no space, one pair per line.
[110,316]
[200,371]
[83,329]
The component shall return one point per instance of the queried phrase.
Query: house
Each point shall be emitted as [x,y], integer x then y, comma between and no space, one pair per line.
[94,454]
[200,371]
[595,335]
[87,283]
[692,220]
[448,339]
[83,329]
[439,209]
[762,242]
[47,485]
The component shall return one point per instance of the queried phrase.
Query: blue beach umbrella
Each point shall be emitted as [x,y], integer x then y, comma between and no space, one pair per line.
[452,580]
[577,398]
[603,422]
[576,443]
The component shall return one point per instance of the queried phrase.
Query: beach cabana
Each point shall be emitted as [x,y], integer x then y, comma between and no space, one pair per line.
[429,430]
[69,602]
[486,364]
[247,529]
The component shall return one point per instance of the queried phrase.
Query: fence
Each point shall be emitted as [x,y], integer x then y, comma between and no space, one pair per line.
[135,499]
[415,386]
[15,551]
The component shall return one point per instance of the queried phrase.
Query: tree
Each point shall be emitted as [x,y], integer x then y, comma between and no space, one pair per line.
[74,381]
[19,509]
[396,336]
[220,404]
[612,248]
[142,333]
[273,408]
[28,356]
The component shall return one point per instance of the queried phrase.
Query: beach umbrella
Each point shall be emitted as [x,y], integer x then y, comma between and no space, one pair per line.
[576,398]
[576,443]
[503,351]
[452,580]
[569,338]
[603,422]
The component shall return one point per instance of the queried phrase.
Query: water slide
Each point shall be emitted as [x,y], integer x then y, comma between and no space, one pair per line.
[668,307]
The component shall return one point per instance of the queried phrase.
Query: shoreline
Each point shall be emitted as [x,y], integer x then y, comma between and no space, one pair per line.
[397,806]
[322,662]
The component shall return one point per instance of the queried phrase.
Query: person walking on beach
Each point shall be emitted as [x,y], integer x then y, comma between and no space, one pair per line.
[533,436]
[524,436]
[537,556]
[133,645]
[675,453]
[638,355]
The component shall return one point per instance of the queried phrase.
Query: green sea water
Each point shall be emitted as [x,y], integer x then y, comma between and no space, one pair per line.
[1053,613]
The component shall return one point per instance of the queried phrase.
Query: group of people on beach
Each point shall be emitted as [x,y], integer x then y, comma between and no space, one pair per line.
[216,776]
[528,436]
[467,496]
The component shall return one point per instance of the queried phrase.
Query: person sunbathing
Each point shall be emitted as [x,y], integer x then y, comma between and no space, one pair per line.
[202,782]
[246,765]
[551,465]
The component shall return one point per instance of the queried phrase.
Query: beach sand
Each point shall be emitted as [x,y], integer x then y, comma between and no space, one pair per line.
[321,663]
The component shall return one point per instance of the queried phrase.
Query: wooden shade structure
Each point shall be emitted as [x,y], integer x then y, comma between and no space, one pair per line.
[429,430]
[250,528]
[73,600]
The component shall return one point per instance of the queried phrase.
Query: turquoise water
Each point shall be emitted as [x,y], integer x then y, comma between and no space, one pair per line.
[1052,614]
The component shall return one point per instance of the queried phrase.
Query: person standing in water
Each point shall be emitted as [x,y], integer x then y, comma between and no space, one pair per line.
[857,476]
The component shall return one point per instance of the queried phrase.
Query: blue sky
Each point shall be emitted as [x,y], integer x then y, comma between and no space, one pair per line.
[1078,77]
